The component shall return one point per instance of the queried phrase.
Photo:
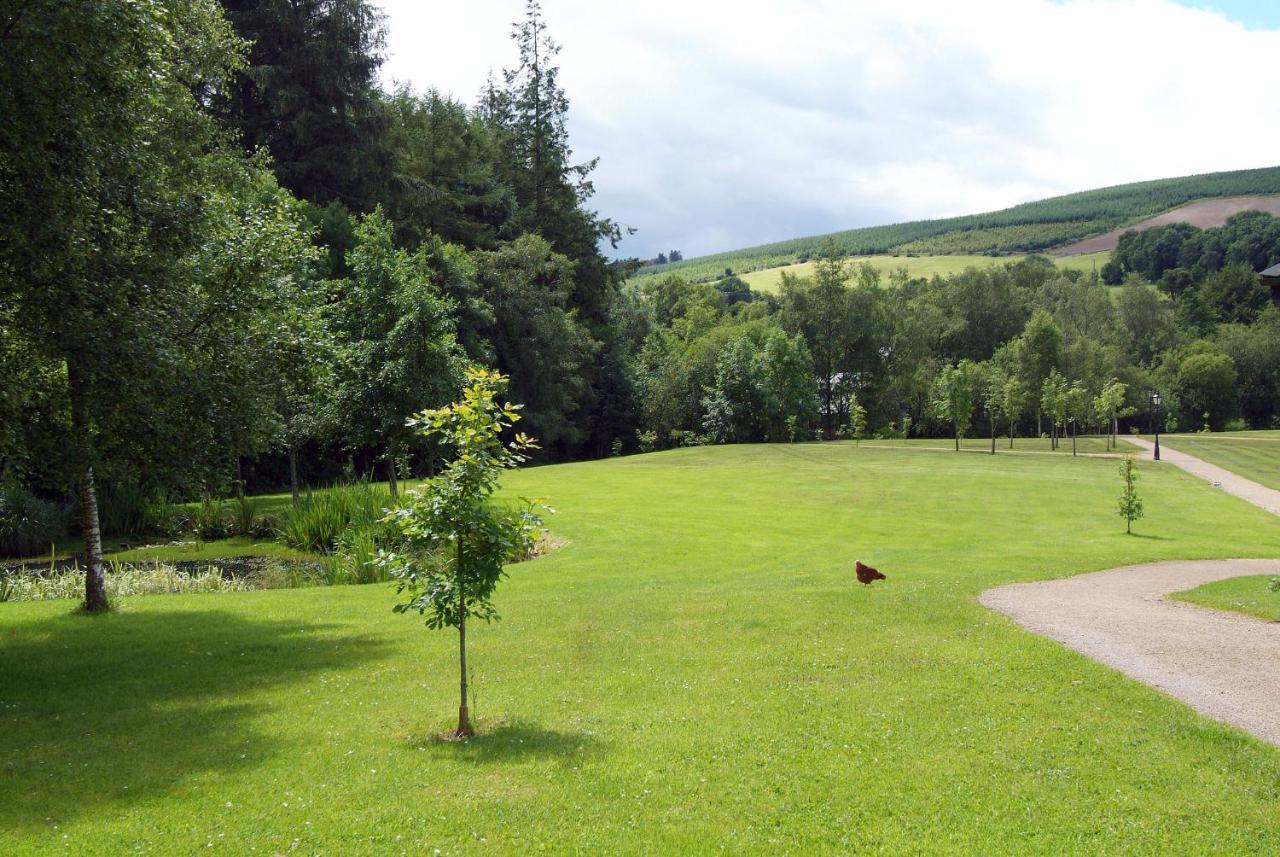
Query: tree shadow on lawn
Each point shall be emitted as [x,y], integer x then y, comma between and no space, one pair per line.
[97,711]
[508,742]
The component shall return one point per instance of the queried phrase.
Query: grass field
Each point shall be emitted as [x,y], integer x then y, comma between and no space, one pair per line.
[1250,595]
[694,671]
[1252,454]
[769,279]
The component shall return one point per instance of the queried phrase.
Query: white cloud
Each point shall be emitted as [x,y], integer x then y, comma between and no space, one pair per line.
[723,124]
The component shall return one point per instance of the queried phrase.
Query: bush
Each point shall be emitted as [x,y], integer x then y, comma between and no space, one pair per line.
[243,517]
[1236,425]
[125,509]
[317,523]
[122,508]
[209,520]
[28,525]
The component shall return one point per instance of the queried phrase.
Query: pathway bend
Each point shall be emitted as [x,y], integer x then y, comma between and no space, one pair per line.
[1224,665]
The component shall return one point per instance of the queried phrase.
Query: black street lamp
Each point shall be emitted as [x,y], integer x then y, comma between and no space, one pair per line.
[1155,416]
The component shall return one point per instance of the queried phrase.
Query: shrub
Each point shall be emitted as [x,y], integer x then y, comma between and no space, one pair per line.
[209,519]
[319,521]
[266,526]
[28,525]
[122,508]
[243,516]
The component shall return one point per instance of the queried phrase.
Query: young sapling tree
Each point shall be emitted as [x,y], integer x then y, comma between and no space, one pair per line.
[1130,505]
[454,539]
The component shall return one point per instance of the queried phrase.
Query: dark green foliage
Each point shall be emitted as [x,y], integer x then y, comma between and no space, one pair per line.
[28,525]
[1179,254]
[308,94]
[537,338]
[1206,388]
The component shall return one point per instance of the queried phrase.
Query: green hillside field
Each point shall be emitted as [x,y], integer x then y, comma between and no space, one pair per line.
[769,279]
[694,671]
[1026,228]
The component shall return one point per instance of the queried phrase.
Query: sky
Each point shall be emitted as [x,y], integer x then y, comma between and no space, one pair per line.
[721,124]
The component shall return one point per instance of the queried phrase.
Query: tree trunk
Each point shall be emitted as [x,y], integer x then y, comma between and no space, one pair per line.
[957,440]
[391,473]
[993,436]
[239,480]
[293,473]
[1075,430]
[95,590]
[1115,429]
[464,716]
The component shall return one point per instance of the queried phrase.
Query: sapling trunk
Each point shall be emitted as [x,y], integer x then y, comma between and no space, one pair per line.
[1075,430]
[464,716]
[293,473]
[993,435]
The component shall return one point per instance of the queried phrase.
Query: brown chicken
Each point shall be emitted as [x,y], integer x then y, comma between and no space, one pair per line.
[866,573]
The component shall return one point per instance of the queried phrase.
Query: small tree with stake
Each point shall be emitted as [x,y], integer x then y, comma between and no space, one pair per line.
[1130,505]
[455,540]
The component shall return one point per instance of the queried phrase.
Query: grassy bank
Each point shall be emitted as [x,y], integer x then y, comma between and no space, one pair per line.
[695,670]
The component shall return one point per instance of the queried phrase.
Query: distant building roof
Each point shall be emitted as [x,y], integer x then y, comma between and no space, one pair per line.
[1273,271]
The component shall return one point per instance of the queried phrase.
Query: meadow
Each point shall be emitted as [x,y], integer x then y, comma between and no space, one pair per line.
[695,670]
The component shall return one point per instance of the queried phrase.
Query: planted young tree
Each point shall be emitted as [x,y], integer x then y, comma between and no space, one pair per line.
[1130,505]
[455,539]
[857,420]
[1077,410]
[954,392]
[1053,402]
[1108,403]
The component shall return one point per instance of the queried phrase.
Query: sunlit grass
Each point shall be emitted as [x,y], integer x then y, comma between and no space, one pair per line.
[694,671]
[1253,595]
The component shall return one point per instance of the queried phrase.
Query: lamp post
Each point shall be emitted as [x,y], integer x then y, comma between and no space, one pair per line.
[1155,415]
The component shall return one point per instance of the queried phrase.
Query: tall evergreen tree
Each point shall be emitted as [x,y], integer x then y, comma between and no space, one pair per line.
[309,95]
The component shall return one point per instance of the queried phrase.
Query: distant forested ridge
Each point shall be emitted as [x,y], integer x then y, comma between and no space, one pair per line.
[1026,228]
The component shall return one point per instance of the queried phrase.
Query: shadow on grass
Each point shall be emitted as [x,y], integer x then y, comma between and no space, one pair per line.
[97,711]
[1148,537]
[509,742]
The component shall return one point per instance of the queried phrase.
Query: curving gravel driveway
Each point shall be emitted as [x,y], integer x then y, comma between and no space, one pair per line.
[1224,665]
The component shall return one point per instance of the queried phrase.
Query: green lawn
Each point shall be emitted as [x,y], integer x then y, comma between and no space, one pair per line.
[1250,595]
[769,279]
[695,671]
[1253,454]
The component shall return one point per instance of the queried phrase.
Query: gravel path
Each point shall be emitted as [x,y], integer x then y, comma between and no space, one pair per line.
[1224,665]
[1232,483]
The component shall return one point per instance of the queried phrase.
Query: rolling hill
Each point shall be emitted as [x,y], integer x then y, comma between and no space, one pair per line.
[1027,228]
